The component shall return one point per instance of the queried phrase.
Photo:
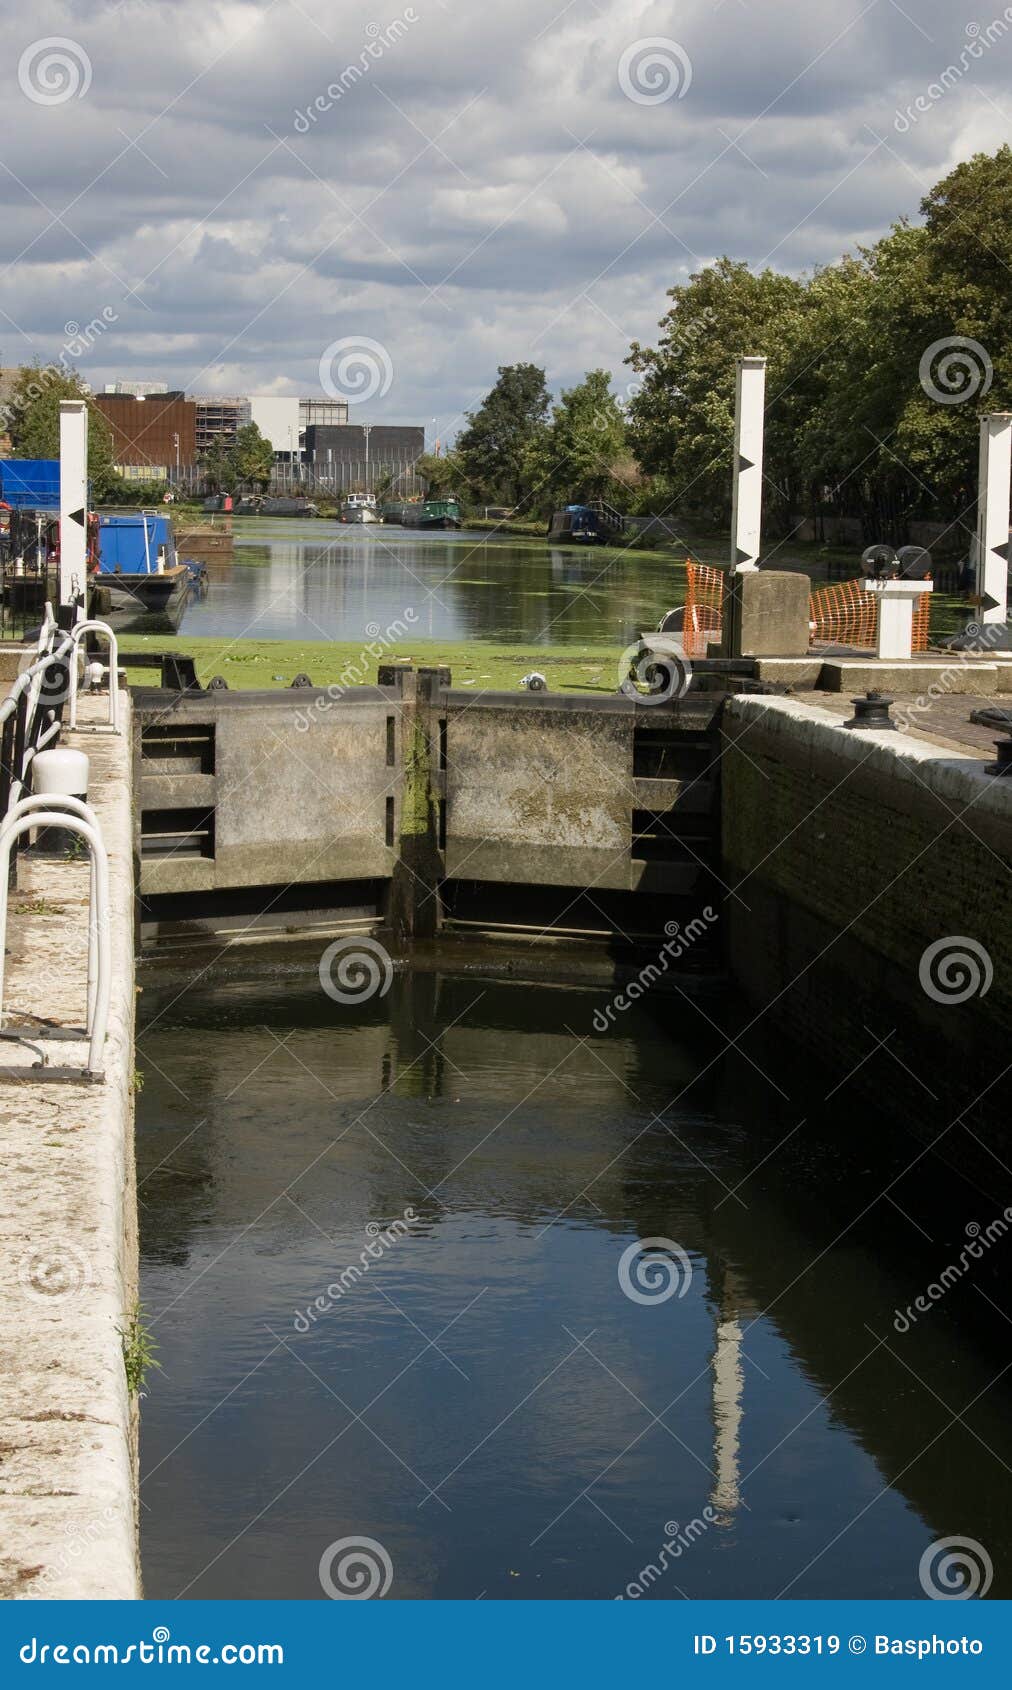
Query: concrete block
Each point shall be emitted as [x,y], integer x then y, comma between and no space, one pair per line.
[766,614]
[907,678]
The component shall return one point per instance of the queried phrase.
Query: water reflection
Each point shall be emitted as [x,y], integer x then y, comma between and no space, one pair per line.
[321,580]
[482,1397]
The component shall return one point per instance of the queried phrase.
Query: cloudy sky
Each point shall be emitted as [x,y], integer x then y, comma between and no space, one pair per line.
[481,184]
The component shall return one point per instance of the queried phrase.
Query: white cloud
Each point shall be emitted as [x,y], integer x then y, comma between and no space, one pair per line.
[482,191]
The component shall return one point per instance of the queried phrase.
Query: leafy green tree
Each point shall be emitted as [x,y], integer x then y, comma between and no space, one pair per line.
[497,448]
[586,443]
[218,464]
[443,476]
[34,420]
[252,455]
[682,413]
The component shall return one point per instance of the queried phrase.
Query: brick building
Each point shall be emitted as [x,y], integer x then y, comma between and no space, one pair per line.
[152,432]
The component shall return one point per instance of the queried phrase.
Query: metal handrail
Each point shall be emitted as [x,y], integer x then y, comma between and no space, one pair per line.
[94,627]
[77,807]
[22,701]
[99,944]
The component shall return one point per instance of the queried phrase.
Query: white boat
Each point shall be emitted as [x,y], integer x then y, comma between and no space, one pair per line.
[360,507]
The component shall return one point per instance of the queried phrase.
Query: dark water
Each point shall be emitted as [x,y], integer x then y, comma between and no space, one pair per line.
[319,580]
[484,1400]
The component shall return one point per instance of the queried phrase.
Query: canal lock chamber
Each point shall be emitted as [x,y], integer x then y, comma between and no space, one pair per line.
[376,1226]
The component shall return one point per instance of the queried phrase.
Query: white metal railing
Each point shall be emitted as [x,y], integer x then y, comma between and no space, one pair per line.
[92,627]
[53,646]
[41,810]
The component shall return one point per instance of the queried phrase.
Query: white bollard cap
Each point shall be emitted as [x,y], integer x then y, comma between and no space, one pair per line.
[60,771]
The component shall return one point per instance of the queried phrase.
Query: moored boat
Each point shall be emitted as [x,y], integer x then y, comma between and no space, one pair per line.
[432,513]
[360,507]
[137,564]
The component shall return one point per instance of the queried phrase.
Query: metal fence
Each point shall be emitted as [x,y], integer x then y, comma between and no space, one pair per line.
[328,480]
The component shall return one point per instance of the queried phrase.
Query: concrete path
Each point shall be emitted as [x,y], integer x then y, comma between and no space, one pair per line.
[68,1248]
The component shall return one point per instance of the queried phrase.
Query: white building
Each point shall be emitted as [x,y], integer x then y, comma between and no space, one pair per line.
[277,419]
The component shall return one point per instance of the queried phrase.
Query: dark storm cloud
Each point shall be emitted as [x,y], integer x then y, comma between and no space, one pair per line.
[244,183]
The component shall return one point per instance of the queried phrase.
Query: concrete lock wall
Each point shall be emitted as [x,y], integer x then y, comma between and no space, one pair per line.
[864,859]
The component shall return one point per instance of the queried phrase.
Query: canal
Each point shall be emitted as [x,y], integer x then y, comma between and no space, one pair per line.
[319,580]
[391,1258]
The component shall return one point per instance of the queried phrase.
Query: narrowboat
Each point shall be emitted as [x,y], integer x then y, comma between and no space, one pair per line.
[136,564]
[393,511]
[578,525]
[432,513]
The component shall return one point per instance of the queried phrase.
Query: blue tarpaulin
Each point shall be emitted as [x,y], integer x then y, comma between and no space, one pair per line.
[30,483]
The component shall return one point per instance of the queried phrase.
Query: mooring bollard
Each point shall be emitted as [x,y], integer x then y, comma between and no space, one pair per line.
[59,773]
[871,711]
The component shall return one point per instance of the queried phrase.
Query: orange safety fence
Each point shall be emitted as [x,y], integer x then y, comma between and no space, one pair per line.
[845,614]
[704,605]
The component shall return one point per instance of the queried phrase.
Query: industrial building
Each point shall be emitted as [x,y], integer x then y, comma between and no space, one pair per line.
[357,455]
[153,433]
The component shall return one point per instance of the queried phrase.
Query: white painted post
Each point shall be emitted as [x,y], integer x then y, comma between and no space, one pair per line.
[993,495]
[747,494]
[895,640]
[73,498]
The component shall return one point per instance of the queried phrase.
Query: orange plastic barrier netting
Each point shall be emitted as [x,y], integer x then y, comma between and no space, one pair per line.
[704,604]
[846,614]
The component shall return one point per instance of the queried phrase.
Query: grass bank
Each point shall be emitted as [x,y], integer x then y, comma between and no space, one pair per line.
[275,663]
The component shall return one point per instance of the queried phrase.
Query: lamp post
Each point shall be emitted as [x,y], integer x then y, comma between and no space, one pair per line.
[366,430]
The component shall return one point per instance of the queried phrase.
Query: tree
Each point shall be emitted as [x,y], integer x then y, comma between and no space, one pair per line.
[586,442]
[682,416]
[34,420]
[252,456]
[495,450]
[443,476]
[218,464]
